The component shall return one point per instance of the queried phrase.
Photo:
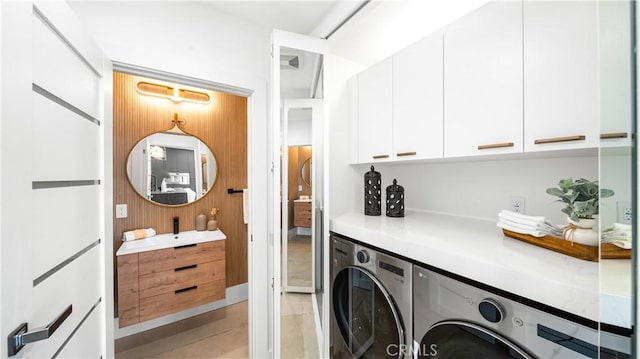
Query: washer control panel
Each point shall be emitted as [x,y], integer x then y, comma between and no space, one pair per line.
[363,256]
[491,310]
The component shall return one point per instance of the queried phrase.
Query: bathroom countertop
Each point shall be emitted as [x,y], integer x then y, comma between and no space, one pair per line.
[478,250]
[308,200]
[169,240]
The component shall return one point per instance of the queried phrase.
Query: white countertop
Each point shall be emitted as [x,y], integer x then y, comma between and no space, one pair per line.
[168,240]
[305,200]
[615,292]
[478,250]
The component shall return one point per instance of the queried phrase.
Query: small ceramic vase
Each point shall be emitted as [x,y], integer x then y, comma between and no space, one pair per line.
[201,222]
[581,232]
[212,225]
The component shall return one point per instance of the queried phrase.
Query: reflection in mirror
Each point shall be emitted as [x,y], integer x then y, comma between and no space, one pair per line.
[616,67]
[171,168]
[305,172]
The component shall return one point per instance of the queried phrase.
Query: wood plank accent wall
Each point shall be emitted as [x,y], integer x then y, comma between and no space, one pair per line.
[222,125]
[297,156]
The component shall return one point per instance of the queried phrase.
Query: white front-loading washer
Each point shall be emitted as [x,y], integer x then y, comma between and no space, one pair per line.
[454,319]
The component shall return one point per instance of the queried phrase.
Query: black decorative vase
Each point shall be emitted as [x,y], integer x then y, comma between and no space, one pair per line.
[372,193]
[395,200]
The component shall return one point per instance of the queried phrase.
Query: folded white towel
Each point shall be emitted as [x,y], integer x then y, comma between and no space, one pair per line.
[621,241]
[245,205]
[138,234]
[618,227]
[529,231]
[535,225]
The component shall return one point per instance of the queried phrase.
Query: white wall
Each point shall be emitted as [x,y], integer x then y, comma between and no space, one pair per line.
[191,39]
[299,128]
[482,187]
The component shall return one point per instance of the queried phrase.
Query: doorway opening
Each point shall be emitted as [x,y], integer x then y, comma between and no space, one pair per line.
[160,175]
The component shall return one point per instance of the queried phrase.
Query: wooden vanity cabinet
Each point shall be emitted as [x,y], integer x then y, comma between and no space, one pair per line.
[302,214]
[156,283]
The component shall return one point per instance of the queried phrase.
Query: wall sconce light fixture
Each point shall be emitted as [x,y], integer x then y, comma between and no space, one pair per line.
[174,93]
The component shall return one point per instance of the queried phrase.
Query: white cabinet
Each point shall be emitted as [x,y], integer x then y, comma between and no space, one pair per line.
[483,82]
[615,72]
[375,113]
[560,75]
[417,100]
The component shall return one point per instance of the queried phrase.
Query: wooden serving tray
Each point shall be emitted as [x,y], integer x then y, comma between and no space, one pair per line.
[611,251]
[581,251]
[577,250]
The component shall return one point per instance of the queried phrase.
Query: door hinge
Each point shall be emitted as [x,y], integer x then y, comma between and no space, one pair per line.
[271,166]
[252,238]
[272,282]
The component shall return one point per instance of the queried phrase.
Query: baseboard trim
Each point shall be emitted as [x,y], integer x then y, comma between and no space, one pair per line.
[234,295]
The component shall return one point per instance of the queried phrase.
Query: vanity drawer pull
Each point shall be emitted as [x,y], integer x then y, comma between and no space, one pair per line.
[495,145]
[560,139]
[193,266]
[380,156]
[186,289]
[607,136]
[186,246]
[406,154]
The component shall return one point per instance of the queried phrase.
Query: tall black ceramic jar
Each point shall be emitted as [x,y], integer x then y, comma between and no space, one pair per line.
[395,200]
[372,193]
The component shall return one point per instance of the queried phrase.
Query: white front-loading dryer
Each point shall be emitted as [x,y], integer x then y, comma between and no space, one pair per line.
[453,319]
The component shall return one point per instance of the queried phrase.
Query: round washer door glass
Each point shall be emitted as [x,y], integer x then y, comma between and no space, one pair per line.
[366,316]
[461,340]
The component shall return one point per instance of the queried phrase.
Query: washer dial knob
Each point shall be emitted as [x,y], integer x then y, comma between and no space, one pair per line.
[491,310]
[363,256]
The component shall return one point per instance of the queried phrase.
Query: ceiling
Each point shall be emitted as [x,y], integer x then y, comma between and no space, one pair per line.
[302,17]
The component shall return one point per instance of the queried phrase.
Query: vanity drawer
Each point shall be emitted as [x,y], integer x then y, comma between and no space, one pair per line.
[302,214]
[172,258]
[181,277]
[180,299]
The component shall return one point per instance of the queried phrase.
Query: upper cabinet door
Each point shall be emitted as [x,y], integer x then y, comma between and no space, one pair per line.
[417,100]
[374,113]
[615,72]
[483,81]
[560,75]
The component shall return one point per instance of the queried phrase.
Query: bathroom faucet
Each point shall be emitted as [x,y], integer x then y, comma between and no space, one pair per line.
[176,225]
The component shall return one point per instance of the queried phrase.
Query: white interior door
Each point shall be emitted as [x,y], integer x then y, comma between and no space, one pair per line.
[305,43]
[51,185]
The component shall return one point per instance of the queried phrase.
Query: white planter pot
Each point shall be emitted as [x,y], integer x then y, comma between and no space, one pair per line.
[582,232]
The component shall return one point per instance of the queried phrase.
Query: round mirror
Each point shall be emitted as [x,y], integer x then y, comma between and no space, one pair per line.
[171,168]
[305,172]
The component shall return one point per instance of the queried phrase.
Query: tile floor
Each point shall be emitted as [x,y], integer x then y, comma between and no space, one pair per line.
[223,333]
[299,261]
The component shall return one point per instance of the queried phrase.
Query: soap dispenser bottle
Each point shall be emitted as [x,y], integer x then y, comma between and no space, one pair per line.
[176,225]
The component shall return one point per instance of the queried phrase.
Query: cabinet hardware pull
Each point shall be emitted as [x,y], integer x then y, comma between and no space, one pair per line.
[380,156]
[186,246]
[559,139]
[607,136]
[186,289]
[193,266]
[495,145]
[406,154]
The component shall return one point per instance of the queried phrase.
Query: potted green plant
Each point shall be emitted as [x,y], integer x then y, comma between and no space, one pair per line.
[582,199]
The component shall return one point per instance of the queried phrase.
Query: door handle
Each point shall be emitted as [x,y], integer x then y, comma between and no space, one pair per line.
[21,336]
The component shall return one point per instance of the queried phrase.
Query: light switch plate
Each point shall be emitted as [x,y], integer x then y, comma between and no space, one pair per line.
[121,211]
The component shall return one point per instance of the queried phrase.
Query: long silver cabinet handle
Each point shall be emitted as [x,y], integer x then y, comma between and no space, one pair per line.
[559,139]
[21,336]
